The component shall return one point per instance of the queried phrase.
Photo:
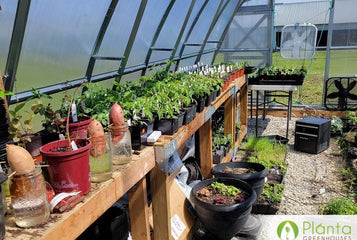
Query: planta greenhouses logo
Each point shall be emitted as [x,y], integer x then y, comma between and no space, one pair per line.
[287,230]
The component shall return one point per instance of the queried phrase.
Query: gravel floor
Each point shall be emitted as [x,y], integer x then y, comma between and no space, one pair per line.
[311,178]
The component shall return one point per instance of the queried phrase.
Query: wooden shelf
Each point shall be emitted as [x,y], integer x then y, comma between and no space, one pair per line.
[168,201]
[71,224]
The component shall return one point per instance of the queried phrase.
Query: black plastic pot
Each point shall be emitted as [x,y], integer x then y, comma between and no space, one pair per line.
[169,126]
[33,147]
[190,114]
[4,131]
[47,137]
[223,221]
[200,103]
[256,179]
[139,133]
[209,98]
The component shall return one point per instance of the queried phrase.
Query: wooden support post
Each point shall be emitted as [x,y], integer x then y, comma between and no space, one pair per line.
[160,193]
[139,212]
[206,158]
[243,99]
[229,122]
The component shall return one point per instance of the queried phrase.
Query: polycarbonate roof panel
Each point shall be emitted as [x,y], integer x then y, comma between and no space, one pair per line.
[154,12]
[58,41]
[223,21]
[117,35]
[195,11]
[200,30]
[173,24]
[7,16]
[256,3]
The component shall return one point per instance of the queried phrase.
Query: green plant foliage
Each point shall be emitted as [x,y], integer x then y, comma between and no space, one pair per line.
[272,193]
[270,154]
[225,189]
[339,206]
[5,93]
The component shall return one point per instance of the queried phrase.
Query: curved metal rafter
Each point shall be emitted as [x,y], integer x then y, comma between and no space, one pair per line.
[156,35]
[179,37]
[131,40]
[99,40]
[17,38]
[218,13]
[190,31]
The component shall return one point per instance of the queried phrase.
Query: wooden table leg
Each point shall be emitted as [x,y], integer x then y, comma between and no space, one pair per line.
[139,212]
[160,194]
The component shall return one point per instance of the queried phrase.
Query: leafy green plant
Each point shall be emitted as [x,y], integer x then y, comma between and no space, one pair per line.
[46,111]
[224,189]
[336,125]
[270,154]
[349,177]
[339,206]
[5,93]
[20,126]
[272,193]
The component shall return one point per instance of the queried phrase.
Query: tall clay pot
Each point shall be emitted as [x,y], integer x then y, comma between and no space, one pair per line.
[69,170]
[223,221]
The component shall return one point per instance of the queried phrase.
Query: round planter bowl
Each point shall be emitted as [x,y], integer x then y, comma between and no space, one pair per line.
[69,171]
[256,180]
[223,221]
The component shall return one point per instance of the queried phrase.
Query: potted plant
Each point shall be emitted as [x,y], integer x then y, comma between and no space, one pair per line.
[223,205]
[170,117]
[269,200]
[140,113]
[68,161]
[336,126]
[21,131]
[78,122]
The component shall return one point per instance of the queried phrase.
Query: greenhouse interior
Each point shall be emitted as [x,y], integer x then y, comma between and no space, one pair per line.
[189,119]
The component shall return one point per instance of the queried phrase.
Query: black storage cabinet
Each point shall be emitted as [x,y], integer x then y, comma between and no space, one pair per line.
[312,135]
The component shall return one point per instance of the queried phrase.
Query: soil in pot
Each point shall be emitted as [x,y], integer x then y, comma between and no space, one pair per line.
[252,173]
[221,220]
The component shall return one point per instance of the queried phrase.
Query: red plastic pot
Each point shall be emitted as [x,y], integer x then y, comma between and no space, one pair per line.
[69,170]
[79,129]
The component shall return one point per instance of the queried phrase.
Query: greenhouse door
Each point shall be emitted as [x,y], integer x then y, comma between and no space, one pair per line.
[250,35]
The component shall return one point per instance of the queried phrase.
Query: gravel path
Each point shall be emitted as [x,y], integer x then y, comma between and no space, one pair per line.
[311,178]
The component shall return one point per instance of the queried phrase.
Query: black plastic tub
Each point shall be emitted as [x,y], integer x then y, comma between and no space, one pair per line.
[223,221]
[256,179]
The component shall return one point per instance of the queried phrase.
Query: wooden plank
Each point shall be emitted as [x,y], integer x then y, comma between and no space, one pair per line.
[71,224]
[206,158]
[160,190]
[139,211]
[180,206]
